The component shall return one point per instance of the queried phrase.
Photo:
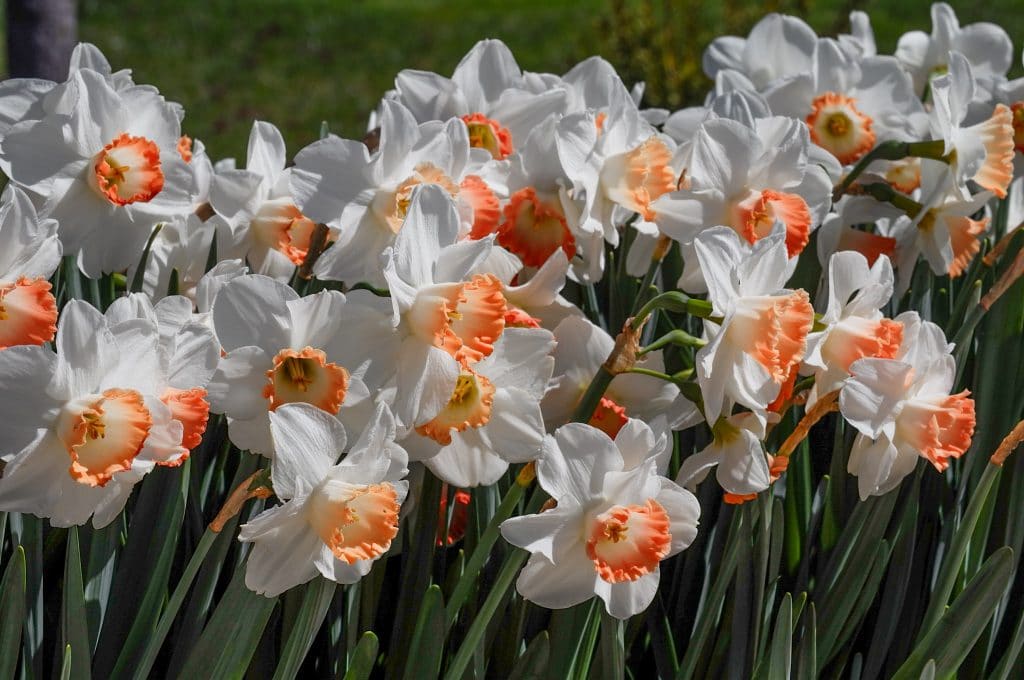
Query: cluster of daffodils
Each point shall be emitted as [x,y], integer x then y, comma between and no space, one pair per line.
[376,314]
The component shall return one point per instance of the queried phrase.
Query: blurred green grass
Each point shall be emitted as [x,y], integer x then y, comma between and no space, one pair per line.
[299,62]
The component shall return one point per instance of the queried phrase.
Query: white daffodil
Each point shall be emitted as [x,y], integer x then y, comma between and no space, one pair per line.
[326,349]
[761,339]
[366,197]
[904,410]
[493,416]
[849,103]
[29,254]
[986,46]
[107,167]
[854,326]
[338,516]
[448,314]
[263,225]
[609,530]
[982,152]
[83,425]
[188,356]
[182,245]
[747,179]
[619,164]
[582,348]
[487,93]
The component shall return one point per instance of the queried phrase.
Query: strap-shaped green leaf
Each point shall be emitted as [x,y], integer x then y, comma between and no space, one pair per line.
[950,640]
[12,613]
[316,599]
[363,658]
[74,633]
[427,646]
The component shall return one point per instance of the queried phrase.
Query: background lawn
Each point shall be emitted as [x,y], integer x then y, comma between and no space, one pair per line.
[299,62]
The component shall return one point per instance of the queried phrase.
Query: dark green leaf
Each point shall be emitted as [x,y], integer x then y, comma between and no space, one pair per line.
[74,634]
[950,640]
[428,639]
[363,658]
[316,598]
[533,663]
[12,613]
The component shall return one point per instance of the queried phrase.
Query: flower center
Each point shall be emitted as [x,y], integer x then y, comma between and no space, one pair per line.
[306,376]
[103,434]
[904,175]
[838,126]
[469,406]
[757,214]
[638,177]
[280,225]
[608,417]
[487,133]
[627,542]
[28,313]
[357,522]
[534,229]
[128,170]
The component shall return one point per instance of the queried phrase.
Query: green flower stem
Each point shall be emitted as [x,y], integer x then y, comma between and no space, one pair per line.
[676,337]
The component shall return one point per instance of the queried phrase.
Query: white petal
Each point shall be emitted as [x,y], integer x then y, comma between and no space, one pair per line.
[236,387]
[284,552]
[307,443]
[253,310]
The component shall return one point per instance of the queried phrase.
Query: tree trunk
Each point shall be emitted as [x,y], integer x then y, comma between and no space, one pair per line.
[40,37]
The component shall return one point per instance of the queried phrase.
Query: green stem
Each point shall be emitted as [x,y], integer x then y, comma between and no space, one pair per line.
[676,337]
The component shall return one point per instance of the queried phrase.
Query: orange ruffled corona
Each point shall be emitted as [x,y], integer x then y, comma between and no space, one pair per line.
[534,229]
[964,237]
[627,542]
[838,126]
[283,227]
[859,338]
[756,215]
[469,406]
[28,313]
[104,434]
[637,178]
[773,330]
[356,522]
[997,135]
[191,409]
[306,376]
[487,133]
[128,170]
[871,246]
[486,208]
[940,429]
[608,417]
